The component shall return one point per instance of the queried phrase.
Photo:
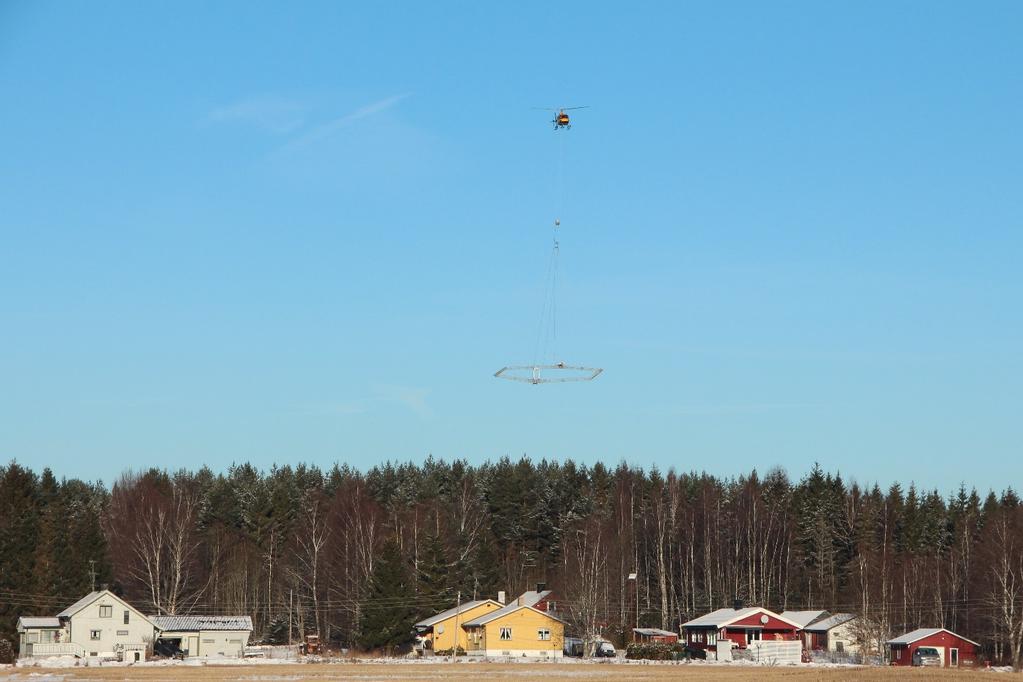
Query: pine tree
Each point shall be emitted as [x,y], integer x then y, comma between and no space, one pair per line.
[387,618]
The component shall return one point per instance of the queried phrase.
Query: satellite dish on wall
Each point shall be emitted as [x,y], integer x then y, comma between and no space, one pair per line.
[440,629]
[764,619]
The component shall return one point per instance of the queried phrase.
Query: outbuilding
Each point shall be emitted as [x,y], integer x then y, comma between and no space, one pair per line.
[654,635]
[836,633]
[202,636]
[955,650]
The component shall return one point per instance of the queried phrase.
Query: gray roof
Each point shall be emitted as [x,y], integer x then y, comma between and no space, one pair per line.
[829,622]
[804,618]
[511,608]
[38,622]
[528,601]
[80,604]
[654,632]
[197,623]
[726,616]
[917,635]
[444,615]
[532,597]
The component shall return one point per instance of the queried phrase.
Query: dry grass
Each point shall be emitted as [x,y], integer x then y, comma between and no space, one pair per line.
[467,672]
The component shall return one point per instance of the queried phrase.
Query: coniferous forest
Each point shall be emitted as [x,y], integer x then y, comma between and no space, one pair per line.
[357,557]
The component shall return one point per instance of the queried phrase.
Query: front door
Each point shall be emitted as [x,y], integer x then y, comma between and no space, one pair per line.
[953,657]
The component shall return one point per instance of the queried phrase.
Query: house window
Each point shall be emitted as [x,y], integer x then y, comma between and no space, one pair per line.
[106,611]
[712,637]
[543,634]
[33,637]
[122,633]
[505,633]
[95,634]
[752,636]
[839,646]
[552,606]
[126,612]
[209,641]
[234,641]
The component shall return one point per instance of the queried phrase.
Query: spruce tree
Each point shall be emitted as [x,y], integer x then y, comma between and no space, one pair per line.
[387,617]
[19,535]
[434,588]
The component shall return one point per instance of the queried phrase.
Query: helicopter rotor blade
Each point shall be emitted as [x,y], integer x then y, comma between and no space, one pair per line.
[586,106]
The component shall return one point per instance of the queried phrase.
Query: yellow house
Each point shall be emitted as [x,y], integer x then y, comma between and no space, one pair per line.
[516,630]
[439,632]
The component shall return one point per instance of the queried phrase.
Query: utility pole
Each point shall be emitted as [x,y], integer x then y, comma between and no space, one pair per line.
[458,607]
[634,579]
[291,609]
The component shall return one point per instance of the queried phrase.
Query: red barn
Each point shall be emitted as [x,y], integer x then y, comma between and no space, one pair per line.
[955,650]
[741,626]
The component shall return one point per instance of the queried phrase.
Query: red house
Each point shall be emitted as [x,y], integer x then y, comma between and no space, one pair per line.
[740,625]
[955,650]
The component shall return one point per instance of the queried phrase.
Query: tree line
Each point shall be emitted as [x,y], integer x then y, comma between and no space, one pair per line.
[358,556]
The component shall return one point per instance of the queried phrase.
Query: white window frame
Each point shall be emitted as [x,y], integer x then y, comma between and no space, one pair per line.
[506,633]
[106,611]
[712,637]
[32,637]
[95,635]
[122,633]
[127,616]
[544,634]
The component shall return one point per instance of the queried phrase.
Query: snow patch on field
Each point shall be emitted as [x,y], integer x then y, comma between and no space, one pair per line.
[31,677]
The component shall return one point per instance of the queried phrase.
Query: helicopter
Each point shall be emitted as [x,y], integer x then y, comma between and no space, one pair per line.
[561,119]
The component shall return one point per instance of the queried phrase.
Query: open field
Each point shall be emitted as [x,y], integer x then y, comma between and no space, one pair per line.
[468,672]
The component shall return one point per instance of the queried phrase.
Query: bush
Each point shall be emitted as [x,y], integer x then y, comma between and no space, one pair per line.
[655,651]
[457,651]
[6,651]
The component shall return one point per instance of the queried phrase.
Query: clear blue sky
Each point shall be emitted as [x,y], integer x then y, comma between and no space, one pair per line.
[283,232]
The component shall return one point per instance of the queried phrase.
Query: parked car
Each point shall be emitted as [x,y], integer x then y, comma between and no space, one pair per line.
[605,649]
[927,656]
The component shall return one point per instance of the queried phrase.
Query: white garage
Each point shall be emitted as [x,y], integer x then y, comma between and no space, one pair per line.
[202,636]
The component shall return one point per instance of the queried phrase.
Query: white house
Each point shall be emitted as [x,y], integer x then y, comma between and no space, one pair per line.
[203,636]
[99,624]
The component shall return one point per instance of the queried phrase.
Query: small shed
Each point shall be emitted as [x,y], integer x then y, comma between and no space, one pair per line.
[955,650]
[647,635]
[835,633]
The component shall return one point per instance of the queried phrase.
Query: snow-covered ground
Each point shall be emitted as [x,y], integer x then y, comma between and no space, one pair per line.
[38,670]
